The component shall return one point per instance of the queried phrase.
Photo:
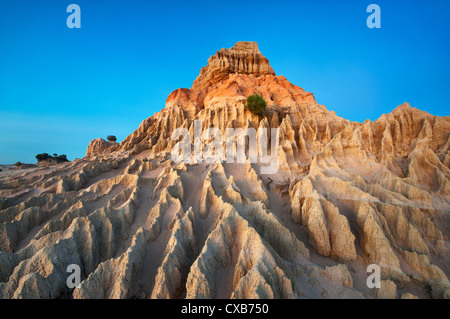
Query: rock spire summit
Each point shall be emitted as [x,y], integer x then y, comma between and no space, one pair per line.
[243,58]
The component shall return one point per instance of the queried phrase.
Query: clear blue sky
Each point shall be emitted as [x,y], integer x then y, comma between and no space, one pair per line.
[61,88]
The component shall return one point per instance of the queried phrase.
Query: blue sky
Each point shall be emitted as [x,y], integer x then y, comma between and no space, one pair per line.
[61,87]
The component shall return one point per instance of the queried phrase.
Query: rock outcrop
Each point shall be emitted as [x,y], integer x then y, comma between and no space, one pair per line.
[243,58]
[99,146]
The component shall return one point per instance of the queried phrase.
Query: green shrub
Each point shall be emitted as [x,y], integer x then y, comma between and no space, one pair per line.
[62,158]
[256,104]
[42,157]
[59,158]
[111,138]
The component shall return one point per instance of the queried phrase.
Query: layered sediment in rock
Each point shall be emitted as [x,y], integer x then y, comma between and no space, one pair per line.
[243,58]
[346,195]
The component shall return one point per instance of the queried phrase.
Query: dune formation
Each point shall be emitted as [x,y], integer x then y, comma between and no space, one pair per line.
[139,225]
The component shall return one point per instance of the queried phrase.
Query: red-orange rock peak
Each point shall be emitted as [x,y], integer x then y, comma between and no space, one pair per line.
[243,58]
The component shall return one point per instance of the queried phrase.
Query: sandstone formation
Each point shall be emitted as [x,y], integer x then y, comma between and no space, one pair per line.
[99,145]
[139,225]
[243,58]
